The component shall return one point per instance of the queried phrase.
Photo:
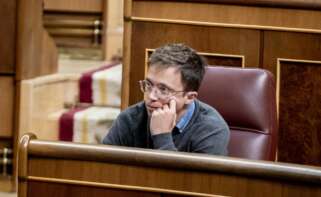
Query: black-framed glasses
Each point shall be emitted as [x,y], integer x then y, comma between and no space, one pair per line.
[162,91]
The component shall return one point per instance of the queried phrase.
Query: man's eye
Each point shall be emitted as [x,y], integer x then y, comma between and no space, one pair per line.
[163,89]
[147,84]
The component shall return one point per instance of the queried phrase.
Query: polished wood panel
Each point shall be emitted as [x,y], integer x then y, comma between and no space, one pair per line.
[29,28]
[35,55]
[57,190]
[78,29]
[152,171]
[294,119]
[272,30]
[74,5]
[49,58]
[300,106]
[7,36]
[5,184]
[306,4]
[6,106]
[83,24]
[213,59]
[289,45]
[257,17]
[26,51]
[113,37]
[126,55]
[31,40]
[227,42]
[5,142]
[224,61]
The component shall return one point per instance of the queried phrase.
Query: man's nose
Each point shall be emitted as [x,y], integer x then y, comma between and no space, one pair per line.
[153,94]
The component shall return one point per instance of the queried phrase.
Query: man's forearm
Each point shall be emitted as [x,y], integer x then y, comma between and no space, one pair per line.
[164,141]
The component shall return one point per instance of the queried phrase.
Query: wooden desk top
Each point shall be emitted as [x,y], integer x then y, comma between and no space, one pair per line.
[296,4]
[30,146]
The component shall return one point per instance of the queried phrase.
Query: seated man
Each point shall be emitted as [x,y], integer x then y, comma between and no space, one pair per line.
[170,117]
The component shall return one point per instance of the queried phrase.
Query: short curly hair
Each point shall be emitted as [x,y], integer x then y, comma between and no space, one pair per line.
[190,64]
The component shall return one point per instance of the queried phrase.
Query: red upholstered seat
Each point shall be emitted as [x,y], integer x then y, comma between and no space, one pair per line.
[247,101]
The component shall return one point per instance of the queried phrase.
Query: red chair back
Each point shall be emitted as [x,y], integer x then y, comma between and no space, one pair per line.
[246,98]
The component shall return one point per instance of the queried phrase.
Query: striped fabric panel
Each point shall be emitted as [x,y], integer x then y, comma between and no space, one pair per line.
[106,86]
[92,124]
[66,124]
[85,83]
[101,86]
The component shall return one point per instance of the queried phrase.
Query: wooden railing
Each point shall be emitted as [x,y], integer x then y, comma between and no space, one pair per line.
[60,168]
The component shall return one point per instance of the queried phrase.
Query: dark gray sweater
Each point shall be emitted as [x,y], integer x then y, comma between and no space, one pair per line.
[206,132]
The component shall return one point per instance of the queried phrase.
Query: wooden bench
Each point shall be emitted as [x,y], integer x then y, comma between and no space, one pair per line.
[51,168]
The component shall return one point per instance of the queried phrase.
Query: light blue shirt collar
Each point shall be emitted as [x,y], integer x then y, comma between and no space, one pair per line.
[182,123]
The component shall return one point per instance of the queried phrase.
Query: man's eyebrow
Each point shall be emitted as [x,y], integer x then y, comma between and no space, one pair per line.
[159,84]
[149,81]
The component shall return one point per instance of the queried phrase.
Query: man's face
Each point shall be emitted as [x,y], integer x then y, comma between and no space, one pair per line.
[164,80]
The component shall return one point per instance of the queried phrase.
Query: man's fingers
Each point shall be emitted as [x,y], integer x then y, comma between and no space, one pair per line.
[172,105]
[163,119]
[165,108]
[158,111]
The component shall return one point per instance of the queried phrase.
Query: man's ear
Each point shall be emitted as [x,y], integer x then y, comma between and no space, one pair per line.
[190,97]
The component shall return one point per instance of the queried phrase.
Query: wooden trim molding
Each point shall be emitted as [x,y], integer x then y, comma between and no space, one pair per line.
[228,25]
[147,51]
[295,4]
[242,57]
[173,160]
[23,153]
[52,79]
[205,54]
[23,162]
[126,55]
[128,8]
[278,75]
[114,186]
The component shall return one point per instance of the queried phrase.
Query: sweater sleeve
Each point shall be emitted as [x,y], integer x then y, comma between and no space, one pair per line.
[164,141]
[119,132]
[212,141]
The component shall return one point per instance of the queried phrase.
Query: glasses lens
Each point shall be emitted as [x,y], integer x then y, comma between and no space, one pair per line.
[161,91]
[142,85]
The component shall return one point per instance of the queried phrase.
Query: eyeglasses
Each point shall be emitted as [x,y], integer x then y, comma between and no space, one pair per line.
[162,91]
